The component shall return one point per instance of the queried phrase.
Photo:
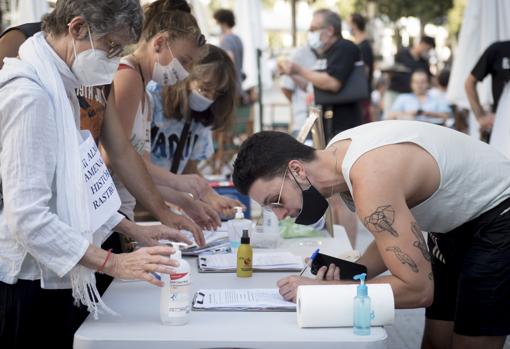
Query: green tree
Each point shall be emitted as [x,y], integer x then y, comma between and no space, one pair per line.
[428,11]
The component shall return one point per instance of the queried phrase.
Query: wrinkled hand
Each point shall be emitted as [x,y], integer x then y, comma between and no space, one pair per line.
[289,284]
[150,235]
[203,214]
[180,222]
[194,184]
[223,204]
[140,264]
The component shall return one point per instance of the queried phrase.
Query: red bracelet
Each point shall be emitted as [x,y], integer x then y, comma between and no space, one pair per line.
[100,270]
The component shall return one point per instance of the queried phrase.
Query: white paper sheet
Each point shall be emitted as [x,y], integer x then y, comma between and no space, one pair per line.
[241,299]
[332,305]
[261,261]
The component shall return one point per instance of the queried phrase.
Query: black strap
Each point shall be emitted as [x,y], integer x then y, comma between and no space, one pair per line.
[180,147]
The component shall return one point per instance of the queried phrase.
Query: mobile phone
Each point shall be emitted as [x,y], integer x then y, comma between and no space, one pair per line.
[347,269]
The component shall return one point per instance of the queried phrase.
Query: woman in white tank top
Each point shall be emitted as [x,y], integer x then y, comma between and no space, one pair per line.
[169,41]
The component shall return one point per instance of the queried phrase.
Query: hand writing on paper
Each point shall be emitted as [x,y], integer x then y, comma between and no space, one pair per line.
[289,284]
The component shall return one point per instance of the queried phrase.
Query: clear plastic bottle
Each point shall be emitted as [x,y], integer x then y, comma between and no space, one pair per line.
[236,227]
[362,308]
[175,301]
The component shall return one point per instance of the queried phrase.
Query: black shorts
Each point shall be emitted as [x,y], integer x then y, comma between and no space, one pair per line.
[471,267]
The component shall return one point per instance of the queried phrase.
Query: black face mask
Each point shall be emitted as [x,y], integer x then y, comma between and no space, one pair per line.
[314,205]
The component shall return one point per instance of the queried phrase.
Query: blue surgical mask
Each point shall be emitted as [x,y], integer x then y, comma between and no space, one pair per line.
[197,102]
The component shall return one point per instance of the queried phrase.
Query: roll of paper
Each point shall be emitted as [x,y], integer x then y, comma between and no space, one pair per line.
[333,305]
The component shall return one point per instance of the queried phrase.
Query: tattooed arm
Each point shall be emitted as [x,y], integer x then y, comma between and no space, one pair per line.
[381,206]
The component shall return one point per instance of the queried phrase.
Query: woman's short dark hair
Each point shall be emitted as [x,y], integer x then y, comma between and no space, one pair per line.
[266,155]
[224,16]
[103,16]
[214,69]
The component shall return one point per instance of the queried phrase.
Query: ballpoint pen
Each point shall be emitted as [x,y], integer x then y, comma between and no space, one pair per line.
[310,261]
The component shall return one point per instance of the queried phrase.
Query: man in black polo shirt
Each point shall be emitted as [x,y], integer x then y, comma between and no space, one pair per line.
[336,61]
[407,61]
[496,62]
[337,58]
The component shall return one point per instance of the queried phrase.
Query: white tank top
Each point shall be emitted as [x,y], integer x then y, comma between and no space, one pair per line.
[140,139]
[475,177]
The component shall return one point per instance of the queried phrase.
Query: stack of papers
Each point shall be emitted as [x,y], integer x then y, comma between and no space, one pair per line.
[262,261]
[215,242]
[258,299]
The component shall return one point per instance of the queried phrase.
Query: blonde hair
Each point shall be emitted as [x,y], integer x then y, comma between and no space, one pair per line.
[213,68]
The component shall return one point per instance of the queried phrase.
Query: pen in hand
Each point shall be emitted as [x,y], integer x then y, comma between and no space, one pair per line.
[310,261]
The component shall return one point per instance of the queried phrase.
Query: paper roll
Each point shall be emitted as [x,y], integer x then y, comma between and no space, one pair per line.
[332,305]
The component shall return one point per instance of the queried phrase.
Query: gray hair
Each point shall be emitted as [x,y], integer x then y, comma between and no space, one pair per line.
[103,16]
[331,18]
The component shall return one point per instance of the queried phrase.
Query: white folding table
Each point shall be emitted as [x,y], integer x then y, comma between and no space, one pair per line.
[139,326]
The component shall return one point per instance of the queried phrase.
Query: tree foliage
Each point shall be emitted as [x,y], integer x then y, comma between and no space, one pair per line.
[428,11]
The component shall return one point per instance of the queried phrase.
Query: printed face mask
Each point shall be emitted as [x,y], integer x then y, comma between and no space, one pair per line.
[170,74]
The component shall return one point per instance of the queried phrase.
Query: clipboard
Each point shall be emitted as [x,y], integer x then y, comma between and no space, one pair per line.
[278,304]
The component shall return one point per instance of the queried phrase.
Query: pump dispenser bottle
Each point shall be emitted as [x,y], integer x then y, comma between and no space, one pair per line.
[362,308]
[245,256]
[237,226]
[175,301]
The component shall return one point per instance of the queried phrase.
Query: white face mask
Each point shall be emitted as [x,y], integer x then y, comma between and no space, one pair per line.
[168,75]
[197,102]
[93,67]
[314,40]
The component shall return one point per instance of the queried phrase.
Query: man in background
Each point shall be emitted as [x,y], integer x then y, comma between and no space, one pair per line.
[407,61]
[494,61]
[232,44]
[298,90]
[358,30]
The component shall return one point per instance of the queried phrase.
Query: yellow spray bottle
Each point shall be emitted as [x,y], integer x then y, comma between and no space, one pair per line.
[245,256]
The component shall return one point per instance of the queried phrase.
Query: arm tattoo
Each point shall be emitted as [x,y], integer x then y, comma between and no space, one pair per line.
[431,277]
[420,243]
[403,257]
[381,220]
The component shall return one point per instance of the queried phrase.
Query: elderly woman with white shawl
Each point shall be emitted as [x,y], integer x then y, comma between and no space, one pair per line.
[51,218]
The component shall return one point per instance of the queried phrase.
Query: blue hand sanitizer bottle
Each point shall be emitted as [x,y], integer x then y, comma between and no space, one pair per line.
[362,311]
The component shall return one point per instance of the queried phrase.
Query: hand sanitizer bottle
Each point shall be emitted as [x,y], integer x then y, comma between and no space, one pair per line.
[362,308]
[175,301]
[237,226]
[245,257]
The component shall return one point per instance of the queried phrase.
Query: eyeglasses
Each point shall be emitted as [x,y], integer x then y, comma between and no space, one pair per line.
[277,204]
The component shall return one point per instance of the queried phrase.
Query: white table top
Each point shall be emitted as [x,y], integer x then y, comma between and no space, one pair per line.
[139,326]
